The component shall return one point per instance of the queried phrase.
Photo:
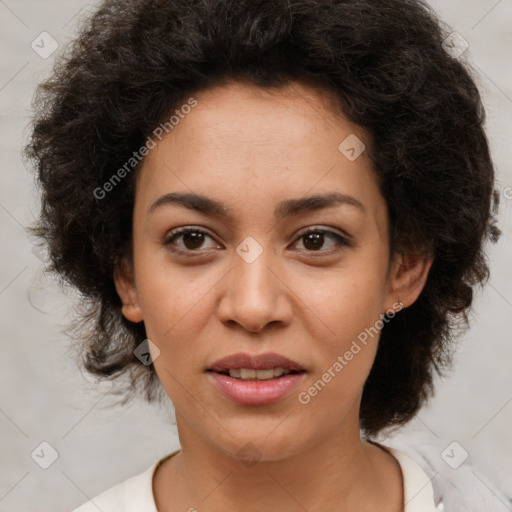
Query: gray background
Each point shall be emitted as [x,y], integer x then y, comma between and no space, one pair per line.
[45,398]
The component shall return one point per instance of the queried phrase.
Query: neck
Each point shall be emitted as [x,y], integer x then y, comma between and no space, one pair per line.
[342,473]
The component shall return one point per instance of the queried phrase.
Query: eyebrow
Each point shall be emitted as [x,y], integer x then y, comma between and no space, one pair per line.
[284,209]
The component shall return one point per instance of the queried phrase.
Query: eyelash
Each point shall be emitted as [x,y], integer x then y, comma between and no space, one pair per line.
[193,253]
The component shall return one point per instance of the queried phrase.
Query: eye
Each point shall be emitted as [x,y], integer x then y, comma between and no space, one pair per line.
[192,239]
[314,239]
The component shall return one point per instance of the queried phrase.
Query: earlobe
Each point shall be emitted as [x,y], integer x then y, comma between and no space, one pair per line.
[410,273]
[125,285]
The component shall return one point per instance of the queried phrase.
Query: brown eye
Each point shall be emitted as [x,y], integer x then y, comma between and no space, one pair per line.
[192,240]
[315,238]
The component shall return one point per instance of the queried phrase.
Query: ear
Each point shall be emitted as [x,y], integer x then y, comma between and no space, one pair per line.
[407,278]
[125,285]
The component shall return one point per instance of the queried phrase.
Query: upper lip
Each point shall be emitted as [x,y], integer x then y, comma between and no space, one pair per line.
[256,362]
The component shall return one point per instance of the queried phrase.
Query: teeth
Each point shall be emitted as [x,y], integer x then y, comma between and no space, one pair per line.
[249,373]
[265,374]
[279,371]
[246,373]
[235,373]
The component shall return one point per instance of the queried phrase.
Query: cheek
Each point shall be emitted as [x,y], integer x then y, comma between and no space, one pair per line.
[346,301]
[347,311]
[175,316]
[344,361]
[176,307]
[173,307]
[168,293]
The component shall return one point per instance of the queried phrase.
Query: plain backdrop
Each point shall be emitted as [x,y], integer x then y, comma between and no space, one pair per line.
[45,399]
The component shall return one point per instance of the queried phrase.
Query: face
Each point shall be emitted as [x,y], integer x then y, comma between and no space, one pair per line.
[246,263]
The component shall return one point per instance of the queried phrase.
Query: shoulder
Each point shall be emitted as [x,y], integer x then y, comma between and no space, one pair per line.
[459,487]
[418,490]
[129,495]
[134,494]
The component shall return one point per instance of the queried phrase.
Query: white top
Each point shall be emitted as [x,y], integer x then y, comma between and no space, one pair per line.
[136,493]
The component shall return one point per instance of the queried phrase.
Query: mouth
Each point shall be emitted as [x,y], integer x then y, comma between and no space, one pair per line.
[265,366]
[256,379]
[254,391]
[250,374]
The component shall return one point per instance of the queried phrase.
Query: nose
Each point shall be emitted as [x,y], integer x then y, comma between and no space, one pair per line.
[255,293]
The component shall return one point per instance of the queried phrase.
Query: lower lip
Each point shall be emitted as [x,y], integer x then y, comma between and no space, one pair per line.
[254,392]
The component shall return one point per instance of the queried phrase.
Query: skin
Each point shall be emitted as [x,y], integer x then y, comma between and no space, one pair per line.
[251,148]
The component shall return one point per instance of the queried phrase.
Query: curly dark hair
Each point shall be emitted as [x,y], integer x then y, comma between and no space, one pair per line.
[384,61]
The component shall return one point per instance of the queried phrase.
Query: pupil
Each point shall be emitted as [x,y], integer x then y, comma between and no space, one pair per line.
[317,239]
[195,238]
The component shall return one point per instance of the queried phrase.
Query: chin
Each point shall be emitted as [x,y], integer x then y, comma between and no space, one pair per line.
[262,445]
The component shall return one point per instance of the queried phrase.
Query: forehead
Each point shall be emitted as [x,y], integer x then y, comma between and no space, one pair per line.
[247,145]
[248,115]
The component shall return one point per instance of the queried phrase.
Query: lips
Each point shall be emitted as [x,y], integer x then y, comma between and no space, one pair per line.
[253,392]
[256,362]
[256,386]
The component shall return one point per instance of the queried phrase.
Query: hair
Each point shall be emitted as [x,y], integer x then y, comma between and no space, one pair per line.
[135,61]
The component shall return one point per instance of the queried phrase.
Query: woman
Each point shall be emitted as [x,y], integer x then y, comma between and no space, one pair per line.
[276,213]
